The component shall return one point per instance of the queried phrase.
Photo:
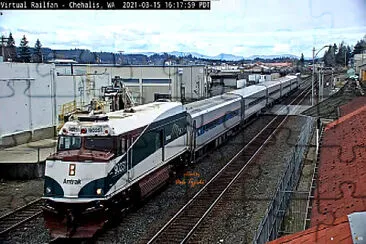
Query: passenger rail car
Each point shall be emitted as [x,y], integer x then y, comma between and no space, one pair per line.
[253,100]
[108,160]
[273,91]
[210,118]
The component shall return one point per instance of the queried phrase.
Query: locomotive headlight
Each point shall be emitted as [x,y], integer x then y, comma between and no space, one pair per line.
[48,190]
[99,191]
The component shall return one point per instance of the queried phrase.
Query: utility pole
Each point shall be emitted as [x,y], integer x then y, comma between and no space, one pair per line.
[319,85]
[345,59]
[312,80]
[312,77]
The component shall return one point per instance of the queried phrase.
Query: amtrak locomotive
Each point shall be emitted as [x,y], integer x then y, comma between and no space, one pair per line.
[104,162]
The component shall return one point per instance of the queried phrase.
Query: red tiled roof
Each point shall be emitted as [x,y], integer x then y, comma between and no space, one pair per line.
[339,232]
[341,184]
[345,117]
[353,105]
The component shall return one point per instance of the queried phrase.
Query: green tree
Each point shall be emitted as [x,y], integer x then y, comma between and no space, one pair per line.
[329,57]
[37,53]
[11,50]
[302,60]
[341,54]
[25,55]
[360,46]
[335,48]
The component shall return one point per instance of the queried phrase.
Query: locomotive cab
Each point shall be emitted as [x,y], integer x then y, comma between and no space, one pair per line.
[68,174]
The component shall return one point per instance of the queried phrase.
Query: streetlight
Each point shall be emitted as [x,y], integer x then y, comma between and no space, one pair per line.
[312,77]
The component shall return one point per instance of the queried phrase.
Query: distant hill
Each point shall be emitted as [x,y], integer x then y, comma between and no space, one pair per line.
[145,58]
[273,56]
[224,56]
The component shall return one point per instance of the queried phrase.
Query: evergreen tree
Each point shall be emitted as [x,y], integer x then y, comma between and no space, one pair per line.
[335,48]
[359,47]
[11,50]
[341,54]
[302,60]
[329,57]
[37,53]
[25,55]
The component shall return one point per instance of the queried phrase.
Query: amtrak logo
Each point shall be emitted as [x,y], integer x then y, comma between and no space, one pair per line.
[72,182]
[177,131]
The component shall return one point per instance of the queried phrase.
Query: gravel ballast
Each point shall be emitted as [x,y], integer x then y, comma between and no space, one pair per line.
[236,223]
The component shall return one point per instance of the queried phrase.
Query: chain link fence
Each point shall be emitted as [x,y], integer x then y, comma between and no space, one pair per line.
[271,223]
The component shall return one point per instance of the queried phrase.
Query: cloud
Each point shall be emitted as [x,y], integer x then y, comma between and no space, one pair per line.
[240,27]
[32,32]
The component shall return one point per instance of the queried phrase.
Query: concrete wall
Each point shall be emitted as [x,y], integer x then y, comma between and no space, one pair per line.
[359,59]
[26,102]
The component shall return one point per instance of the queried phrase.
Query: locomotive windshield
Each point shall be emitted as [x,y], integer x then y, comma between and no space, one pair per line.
[99,143]
[69,143]
[90,143]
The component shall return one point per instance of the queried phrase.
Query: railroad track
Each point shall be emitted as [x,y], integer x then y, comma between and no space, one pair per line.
[20,216]
[184,224]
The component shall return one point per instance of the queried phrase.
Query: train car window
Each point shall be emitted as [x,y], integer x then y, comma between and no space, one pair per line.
[134,138]
[99,143]
[69,143]
[275,91]
[123,144]
[158,137]
[257,101]
[146,145]
[119,146]
[175,129]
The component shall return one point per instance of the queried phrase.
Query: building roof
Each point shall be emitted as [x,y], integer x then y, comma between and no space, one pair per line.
[279,64]
[62,61]
[341,183]
[342,169]
[353,105]
[135,65]
[338,232]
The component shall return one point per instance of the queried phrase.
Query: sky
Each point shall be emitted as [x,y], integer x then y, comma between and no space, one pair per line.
[238,27]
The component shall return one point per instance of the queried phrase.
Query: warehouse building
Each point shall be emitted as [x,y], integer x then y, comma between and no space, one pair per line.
[35,96]
[145,82]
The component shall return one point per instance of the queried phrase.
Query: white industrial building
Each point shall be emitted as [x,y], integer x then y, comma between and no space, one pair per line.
[33,95]
[360,65]
[145,81]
